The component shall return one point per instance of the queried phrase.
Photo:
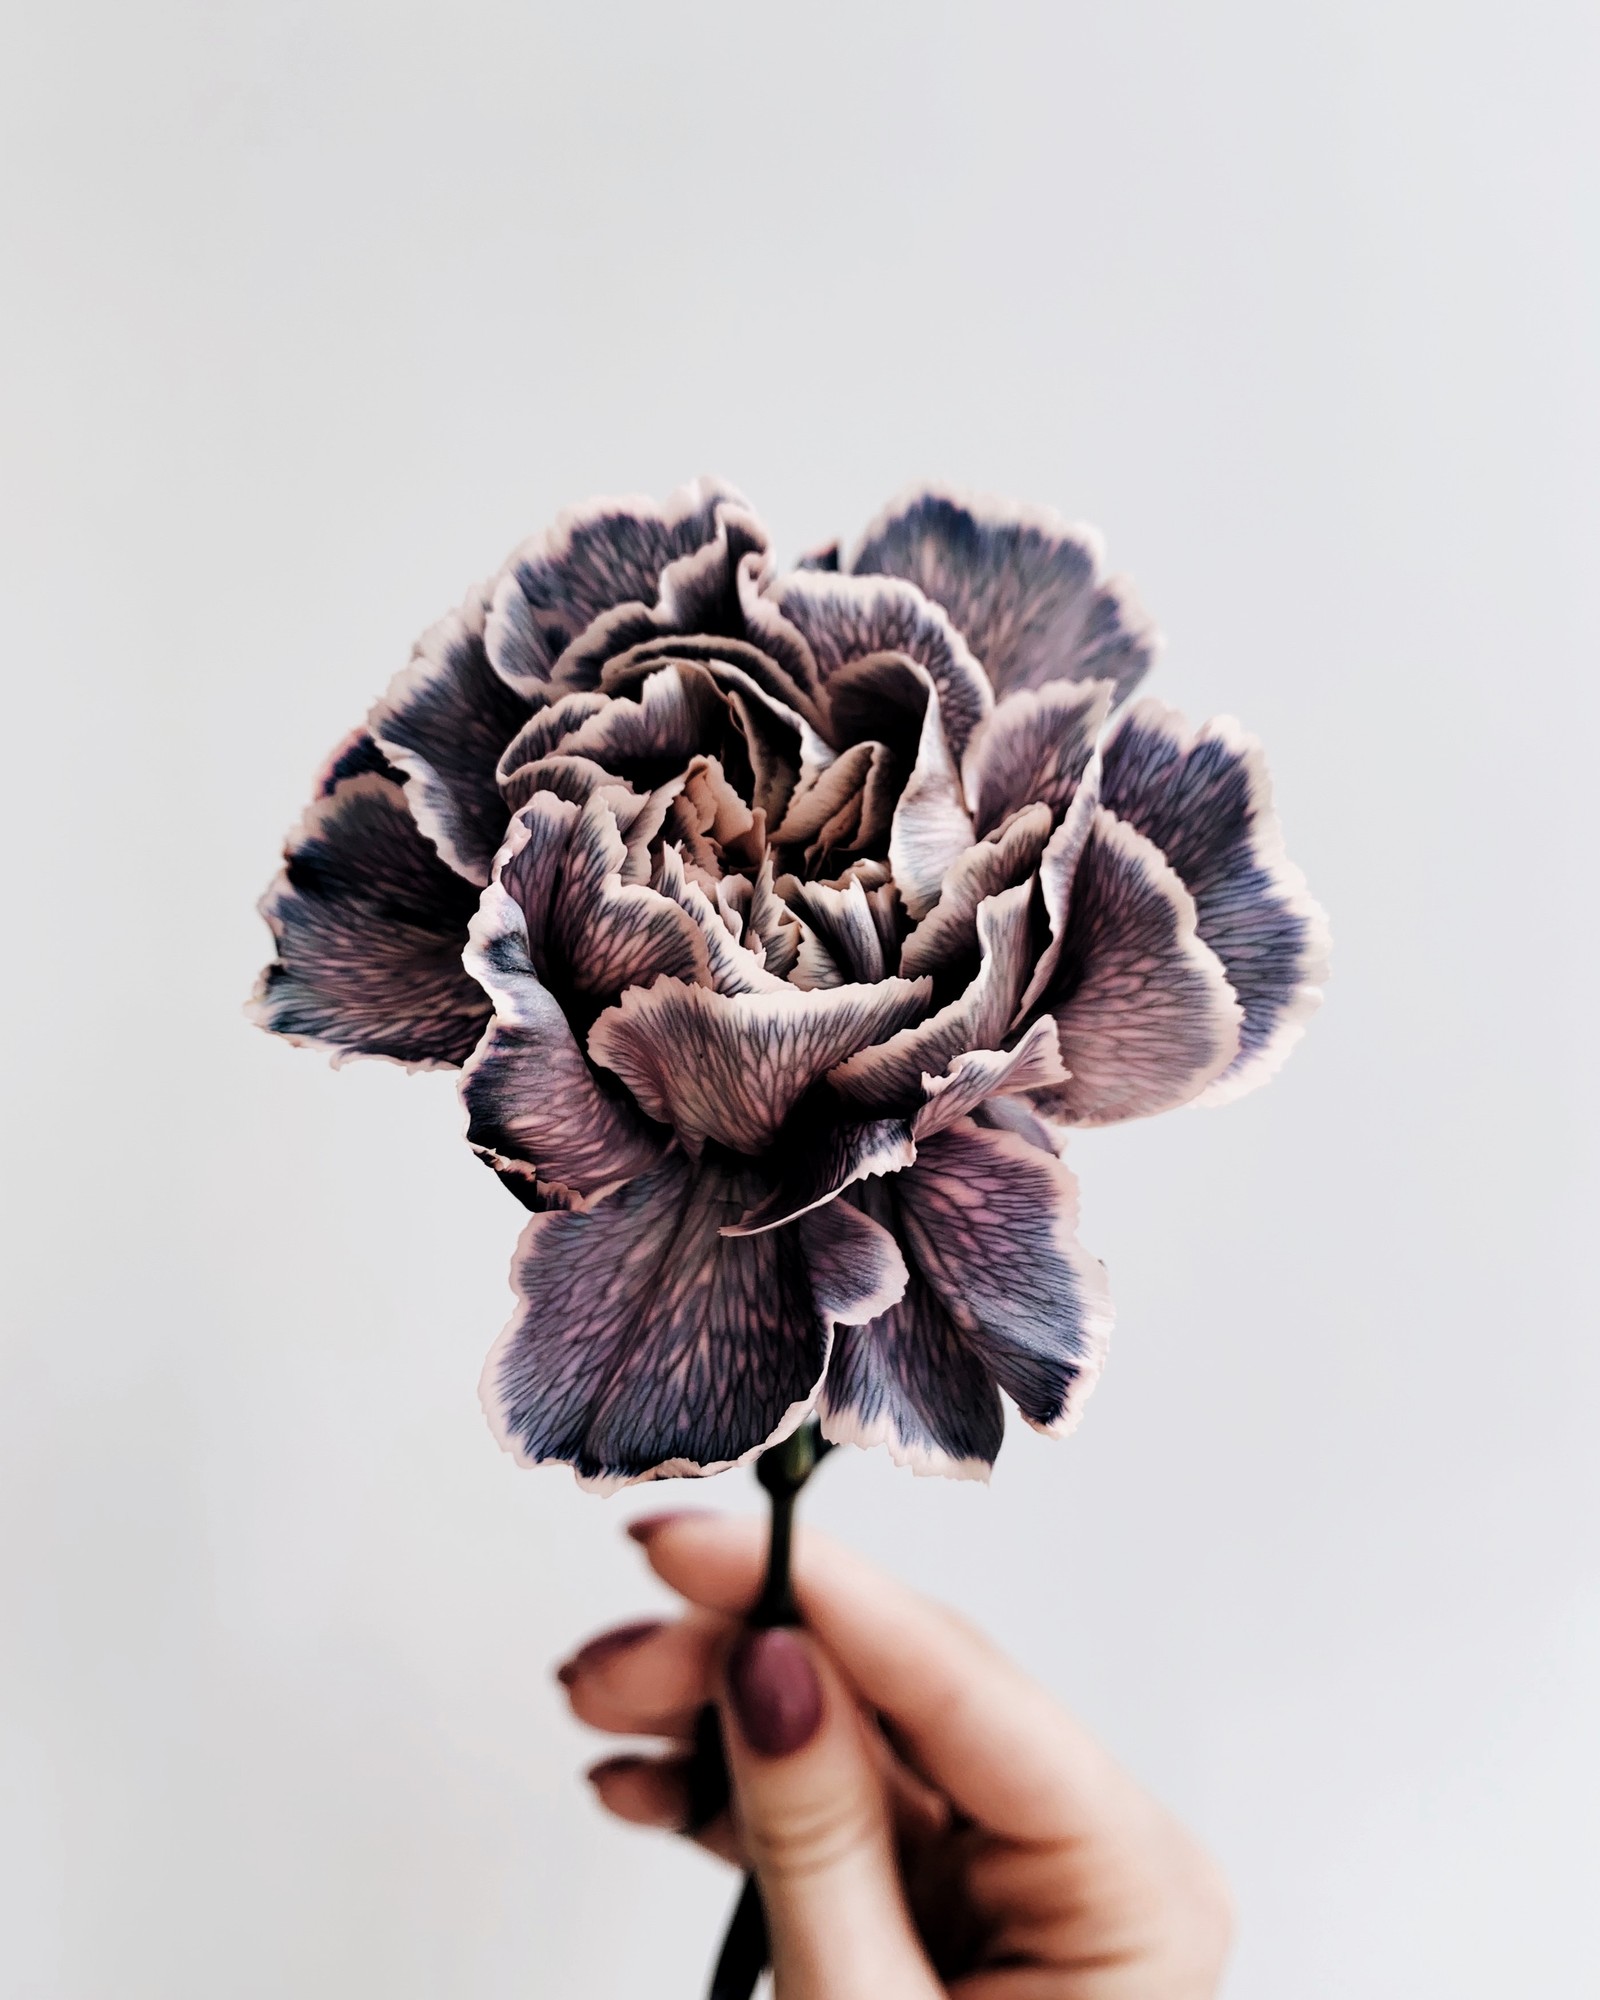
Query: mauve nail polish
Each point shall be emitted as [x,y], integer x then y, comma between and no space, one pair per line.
[605,1646]
[648,1524]
[774,1691]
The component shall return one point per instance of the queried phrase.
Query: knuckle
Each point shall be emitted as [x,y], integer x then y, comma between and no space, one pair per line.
[811,1840]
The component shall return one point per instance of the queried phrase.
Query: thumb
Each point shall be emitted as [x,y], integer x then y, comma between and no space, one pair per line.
[817,1827]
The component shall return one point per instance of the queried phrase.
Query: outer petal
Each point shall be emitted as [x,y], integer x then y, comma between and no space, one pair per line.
[1034,747]
[1027,590]
[369,925]
[731,1067]
[1146,1015]
[645,1344]
[1204,797]
[444,722]
[979,1207]
[591,559]
[844,619]
[534,1107]
[700,593]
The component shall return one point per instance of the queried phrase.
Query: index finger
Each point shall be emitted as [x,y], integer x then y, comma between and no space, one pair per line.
[992,1739]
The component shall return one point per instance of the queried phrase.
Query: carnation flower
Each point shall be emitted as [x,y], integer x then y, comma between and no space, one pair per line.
[782,923]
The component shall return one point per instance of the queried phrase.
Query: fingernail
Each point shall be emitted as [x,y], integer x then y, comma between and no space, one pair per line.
[649,1525]
[605,1646]
[774,1692]
[612,1767]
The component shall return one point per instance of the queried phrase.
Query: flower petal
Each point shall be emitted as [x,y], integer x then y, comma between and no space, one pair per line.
[1204,797]
[978,1207]
[444,721]
[848,618]
[1034,747]
[645,1344]
[1026,590]
[843,921]
[972,1079]
[908,1381]
[677,711]
[931,828]
[590,560]
[732,968]
[730,1067]
[369,925]
[574,778]
[888,1077]
[700,592]
[819,1170]
[534,1107]
[545,731]
[949,932]
[1145,1011]
[614,933]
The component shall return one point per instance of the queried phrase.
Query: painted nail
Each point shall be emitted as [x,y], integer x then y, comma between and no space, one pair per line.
[774,1692]
[613,1767]
[606,1646]
[649,1525]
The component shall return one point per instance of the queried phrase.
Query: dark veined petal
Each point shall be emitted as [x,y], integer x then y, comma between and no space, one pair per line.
[534,1107]
[1204,797]
[700,594]
[369,925]
[590,560]
[1027,591]
[730,1067]
[815,1172]
[772,922]
[646,1344]
[816,1167]
[1146,1015]
[615,933]
[677,711]
[732,968]
[844,619]
[888,1077]
[1034,747]
[979,1208]
[972,1079]
[931,828]
[949,932]
[354,757]
[843,922]
[574,778]
[444,721]
[545,732]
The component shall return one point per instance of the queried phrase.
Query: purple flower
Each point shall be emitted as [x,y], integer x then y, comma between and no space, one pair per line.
[782,922]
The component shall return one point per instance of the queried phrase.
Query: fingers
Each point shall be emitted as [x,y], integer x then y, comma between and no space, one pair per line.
[990,1738]
[816,1825]
[657,1792]
[650,1678]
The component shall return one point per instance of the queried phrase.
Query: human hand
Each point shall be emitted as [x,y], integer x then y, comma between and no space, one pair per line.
[923,1819]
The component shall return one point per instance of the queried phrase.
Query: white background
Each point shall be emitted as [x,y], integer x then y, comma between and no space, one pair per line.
[314,310]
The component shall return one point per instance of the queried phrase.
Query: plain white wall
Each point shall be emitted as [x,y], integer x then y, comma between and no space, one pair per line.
[314,309]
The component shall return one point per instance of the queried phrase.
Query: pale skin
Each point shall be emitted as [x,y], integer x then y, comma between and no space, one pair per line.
[945,1828]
